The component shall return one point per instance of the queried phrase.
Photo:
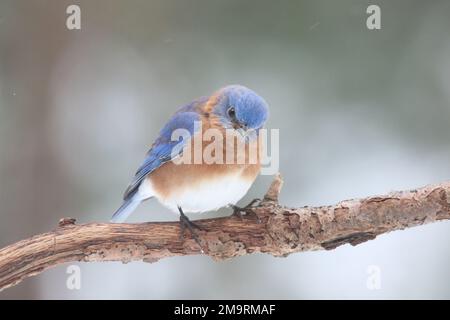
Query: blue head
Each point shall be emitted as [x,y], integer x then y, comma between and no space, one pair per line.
[241,108]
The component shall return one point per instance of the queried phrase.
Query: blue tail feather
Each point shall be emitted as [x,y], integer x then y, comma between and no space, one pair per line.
[127,207]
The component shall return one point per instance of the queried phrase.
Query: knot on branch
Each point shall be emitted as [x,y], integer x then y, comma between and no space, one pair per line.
[64,222]
[274,189]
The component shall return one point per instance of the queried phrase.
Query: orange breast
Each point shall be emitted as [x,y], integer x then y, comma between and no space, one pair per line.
[171,177]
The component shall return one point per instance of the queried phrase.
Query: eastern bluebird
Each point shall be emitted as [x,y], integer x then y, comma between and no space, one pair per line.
[205,186]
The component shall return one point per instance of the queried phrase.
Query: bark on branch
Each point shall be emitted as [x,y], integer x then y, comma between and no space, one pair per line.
[279,231]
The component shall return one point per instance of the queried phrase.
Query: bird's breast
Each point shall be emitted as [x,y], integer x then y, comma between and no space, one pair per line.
[204,187]
[200,188]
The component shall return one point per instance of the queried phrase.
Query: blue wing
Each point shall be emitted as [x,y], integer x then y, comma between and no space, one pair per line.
[161,150]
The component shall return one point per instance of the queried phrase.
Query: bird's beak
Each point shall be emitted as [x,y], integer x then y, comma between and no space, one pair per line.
[242,131]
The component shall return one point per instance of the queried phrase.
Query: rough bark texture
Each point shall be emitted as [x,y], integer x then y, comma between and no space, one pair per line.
[279,231]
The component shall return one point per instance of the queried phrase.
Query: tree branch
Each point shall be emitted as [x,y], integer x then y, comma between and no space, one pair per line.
[279,231]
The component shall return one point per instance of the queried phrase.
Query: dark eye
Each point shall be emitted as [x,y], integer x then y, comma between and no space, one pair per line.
[232,113]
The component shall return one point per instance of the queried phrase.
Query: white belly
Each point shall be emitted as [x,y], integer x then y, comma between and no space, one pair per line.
[210,195]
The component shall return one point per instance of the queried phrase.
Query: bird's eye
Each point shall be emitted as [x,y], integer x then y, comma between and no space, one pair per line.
[232,113]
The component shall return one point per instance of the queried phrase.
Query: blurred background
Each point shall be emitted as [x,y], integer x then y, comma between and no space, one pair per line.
[361,112]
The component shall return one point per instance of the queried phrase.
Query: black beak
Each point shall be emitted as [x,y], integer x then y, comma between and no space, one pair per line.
[242,126]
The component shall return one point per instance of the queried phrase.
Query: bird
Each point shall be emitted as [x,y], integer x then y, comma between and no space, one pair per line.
[199,187]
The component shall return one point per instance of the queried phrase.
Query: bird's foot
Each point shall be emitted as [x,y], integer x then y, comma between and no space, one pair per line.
[186,223]
[248,210]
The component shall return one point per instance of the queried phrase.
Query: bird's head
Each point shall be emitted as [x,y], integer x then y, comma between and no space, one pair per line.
[240,108]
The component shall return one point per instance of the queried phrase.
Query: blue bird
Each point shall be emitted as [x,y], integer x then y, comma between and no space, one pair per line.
[205,186]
